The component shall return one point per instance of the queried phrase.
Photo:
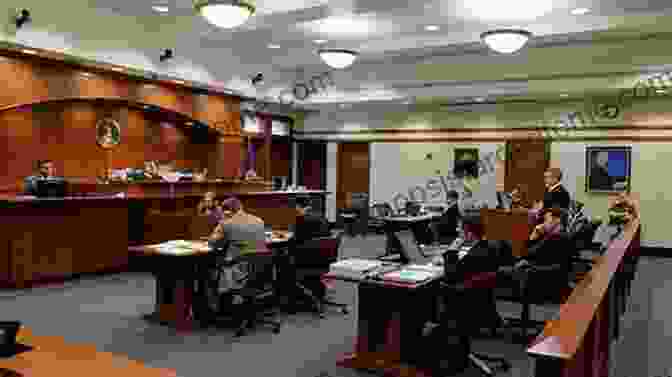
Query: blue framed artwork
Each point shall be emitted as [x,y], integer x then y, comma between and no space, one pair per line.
[608,169]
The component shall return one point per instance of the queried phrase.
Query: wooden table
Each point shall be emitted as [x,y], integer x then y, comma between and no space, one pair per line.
[52,356]
[177,273]
[384,343]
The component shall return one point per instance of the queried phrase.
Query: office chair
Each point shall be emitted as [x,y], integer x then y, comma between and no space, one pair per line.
[537,285]
[310,260]
[581,237]
[252,310]
[377,213]
[355,217]
[462,297]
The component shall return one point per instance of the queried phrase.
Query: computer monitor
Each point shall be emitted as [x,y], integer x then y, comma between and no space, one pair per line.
[51,188]
[410,252]
[504,200]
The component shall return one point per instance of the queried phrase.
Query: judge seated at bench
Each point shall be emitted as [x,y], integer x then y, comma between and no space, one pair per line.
[309,224]
[45,170]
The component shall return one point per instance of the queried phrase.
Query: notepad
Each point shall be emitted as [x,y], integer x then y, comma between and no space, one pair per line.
[409,276]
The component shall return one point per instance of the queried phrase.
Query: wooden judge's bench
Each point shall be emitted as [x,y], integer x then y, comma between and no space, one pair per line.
[90,230]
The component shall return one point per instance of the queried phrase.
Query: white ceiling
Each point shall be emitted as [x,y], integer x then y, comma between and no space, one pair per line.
[391,38]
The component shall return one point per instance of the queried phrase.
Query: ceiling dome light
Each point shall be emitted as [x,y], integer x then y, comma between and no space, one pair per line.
[580,11]
[338,59]
[506,41]
[226,14]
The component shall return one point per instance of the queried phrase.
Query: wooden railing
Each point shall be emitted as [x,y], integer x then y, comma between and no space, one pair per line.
[577,342]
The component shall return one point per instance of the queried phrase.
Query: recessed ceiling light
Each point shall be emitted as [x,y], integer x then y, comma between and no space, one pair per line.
[161,8]
[320,41]
[580,11]
[431,28]
[480,99]
[26,51]
[274,46]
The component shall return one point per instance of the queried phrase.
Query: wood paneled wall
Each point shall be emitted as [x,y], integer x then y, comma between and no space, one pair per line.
[281,157]
[353,171]
[312,164]
[33,126]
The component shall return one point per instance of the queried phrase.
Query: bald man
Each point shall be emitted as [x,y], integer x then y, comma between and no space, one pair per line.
[599,173]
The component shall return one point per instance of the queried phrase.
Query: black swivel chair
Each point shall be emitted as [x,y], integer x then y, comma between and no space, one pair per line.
[310,260]
[377,213]
[355,218]
[256,293]
[462,294]
[538,284]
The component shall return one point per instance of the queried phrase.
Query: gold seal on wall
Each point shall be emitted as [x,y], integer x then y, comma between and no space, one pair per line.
[108,133]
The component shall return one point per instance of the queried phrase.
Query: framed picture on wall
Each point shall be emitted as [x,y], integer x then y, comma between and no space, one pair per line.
[466,162]
[608,169]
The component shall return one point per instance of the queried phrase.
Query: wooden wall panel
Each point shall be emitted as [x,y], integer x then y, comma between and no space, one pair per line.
[225,160]
[220,112]
[65,131]
[101,86]
[20,84]
[281,153]
[312,165]
[353,171]
[175,99]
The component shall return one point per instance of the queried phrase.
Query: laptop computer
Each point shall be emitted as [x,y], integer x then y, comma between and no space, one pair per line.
[504,200]
[410,251]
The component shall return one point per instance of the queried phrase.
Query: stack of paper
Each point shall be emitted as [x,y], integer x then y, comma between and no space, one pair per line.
[436,270]
[354,268]
[179,247]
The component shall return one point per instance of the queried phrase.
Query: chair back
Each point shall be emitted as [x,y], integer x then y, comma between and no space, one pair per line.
[380,210]
[317,252]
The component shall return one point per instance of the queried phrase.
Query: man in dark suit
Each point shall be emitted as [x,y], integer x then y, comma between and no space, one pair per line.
[446,226]
[308,224]
[556,195]
[599,172]
[45,171]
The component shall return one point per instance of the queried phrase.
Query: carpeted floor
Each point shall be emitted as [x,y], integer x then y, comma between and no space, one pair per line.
[106,311]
